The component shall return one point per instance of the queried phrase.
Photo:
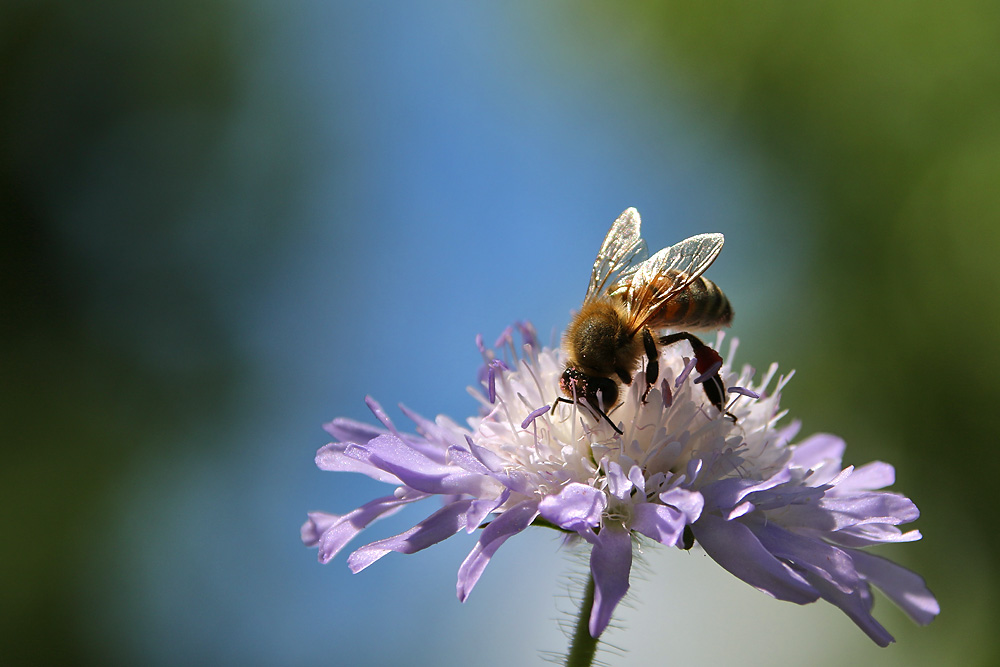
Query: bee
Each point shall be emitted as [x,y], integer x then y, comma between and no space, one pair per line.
[629,298]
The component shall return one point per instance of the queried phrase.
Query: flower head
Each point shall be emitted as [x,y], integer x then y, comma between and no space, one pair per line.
[786,518]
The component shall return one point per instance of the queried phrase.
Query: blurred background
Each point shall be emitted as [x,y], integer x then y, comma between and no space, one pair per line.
[225,223]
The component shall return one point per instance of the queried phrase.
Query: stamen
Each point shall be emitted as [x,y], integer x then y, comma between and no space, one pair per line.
[528,334]
[743,391]
[491,384]
[688,367]
[534,414]
[668,397]
[709,374]
[505,337]
[491,378]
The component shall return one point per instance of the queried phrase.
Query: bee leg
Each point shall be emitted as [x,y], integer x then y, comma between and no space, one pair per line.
[602,413]
[652,362]
[705,359]
[608,389]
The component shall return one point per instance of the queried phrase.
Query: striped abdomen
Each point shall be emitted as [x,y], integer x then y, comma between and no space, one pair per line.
[700,305]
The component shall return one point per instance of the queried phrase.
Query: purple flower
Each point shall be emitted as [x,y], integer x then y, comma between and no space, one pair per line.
[787,519]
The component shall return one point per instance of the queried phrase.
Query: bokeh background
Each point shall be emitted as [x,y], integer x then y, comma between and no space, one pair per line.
[224,223]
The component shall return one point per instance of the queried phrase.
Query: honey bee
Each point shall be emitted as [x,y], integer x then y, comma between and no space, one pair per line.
[629,298]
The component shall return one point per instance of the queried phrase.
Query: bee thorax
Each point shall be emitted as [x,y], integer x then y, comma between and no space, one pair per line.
[599,343]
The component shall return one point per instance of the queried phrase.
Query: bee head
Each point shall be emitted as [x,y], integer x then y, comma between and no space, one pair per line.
[594,389]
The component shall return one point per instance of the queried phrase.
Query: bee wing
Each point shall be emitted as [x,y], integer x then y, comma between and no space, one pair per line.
[661,277]
[620,255]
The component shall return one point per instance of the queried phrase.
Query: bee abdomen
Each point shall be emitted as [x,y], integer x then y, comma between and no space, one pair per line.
[700,305]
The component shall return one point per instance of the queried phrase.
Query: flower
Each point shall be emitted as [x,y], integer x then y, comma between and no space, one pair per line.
[786,518]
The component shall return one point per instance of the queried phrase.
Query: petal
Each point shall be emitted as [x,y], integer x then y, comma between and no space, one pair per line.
[618,484]
[578,507]
[905,588]
[471,460]
[691,503]
[837,513]
[869,477]
[480,509]
[729,492]
[393,455]
[465,460]
[610,564]
[870,534]
[733,546]
[348,430]
[487,457]
[338,534]
[315,526]
[436,436]
[332,458]
[510,523]
[638,479]
[812,554]
[659,522]
[437,527]
[819,450]
[857,605]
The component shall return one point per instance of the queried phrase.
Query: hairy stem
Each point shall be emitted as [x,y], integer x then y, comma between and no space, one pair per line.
[583,646]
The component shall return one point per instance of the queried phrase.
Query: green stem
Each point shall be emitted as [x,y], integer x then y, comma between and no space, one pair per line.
[583,646]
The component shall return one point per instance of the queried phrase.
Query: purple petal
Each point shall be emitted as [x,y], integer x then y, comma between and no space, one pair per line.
[480,509]
[786,434]
[332,458]
[869,534]
[733,546]
[380,414]
[338,534]
[857,605]
[843,512]
[487,457]
[659,522]
[638,479]
[728,493]
[610,563]
[317,524]
[437,527]
[786,495]
[510,523]
[436,438]
[465,460]
[691,503]
[348,430]
[819,449]
[484,462]
[618,484]
[393,455]
[869,477]
[907,589]
[577,507]
[806,553]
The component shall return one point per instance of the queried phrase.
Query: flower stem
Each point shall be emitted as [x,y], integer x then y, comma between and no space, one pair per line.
[583,646]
